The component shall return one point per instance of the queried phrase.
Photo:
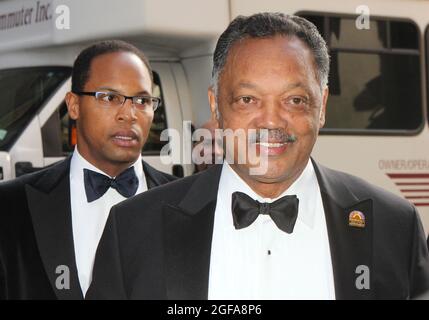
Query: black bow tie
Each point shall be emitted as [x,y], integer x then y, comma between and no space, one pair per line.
[283,211]
[97,184]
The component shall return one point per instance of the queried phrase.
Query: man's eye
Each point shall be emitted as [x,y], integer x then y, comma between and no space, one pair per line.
[142,100]
[110,97]
[247,99]
[297,100]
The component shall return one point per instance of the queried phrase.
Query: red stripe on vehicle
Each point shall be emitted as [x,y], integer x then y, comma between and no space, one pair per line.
[407,175]
[422,204]
[412,183]
[417,197]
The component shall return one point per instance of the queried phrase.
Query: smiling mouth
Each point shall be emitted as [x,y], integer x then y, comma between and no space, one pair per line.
[272,148]
[271,144]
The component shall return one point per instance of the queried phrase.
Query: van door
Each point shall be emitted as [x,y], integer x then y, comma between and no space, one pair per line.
[54,126]
[376,124]
[172,87]
[25,92]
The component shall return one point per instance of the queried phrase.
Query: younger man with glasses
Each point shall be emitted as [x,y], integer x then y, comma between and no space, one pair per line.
[51,221]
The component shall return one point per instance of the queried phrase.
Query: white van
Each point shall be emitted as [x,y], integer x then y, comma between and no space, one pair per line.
[377,117]
[38,45]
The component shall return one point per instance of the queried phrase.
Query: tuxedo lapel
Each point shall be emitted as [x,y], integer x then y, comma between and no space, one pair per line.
[153,177]
[190,225]
[49,205]
[188,230]
[351,246]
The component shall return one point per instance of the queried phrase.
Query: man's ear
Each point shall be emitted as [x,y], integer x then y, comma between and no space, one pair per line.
[322,116]
[213,105]
[72,101]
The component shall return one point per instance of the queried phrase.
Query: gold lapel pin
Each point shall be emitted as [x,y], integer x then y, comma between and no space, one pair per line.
[357,219]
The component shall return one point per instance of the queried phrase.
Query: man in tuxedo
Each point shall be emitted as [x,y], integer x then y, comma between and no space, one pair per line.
[296,230]
[51,221]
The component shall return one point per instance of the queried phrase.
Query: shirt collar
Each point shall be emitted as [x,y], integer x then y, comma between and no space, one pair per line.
[306,188]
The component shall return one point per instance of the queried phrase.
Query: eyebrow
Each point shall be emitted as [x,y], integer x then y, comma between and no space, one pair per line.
[248,85]
[144,92]
[296,85]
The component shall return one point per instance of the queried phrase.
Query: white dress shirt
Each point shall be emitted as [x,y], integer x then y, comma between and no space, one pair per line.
[89,219]
[263,262]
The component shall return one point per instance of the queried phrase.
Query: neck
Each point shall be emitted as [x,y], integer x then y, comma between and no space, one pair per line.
[268,187]
[109,168]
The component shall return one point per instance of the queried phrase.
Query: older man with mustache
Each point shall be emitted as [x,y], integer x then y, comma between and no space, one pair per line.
[294,230]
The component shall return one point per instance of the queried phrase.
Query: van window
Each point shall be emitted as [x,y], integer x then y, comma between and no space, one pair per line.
[23,92]
[427,70]
[375,75]
[55,134]
[56,131]
[153,143]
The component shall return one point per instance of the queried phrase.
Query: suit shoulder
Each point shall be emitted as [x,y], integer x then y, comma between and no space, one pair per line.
[143,211]
[363,189]
[158,176]
[19,183]
[167,177]
[171,193]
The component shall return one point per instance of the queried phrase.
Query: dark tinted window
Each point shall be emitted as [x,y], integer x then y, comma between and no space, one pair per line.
[375,77]
[55,134]
[404,35]
[154,144]
[427,69]
[22,92]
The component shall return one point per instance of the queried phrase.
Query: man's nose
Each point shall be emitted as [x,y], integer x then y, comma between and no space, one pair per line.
[127,112]
[271,115]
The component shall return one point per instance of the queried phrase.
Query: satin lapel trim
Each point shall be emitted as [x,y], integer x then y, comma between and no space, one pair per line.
[188,230]
[187,240]
[150,176]
[351,246]
[51,216]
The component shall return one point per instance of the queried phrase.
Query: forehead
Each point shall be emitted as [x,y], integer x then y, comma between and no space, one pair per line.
[118,68]
[270,57]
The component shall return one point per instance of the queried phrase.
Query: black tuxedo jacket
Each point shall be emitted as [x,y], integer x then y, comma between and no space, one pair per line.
[36,233]
[157,245]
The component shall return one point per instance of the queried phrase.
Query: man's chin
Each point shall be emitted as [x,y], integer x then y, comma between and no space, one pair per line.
[261,173]
[268,178]
[124,156]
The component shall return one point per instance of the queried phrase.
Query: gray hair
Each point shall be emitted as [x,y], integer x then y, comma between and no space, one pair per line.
[265,25]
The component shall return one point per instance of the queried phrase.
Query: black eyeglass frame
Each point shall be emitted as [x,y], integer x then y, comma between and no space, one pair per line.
[155,100]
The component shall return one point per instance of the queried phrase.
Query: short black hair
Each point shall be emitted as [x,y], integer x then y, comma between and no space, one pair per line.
[266,25]
[82,64]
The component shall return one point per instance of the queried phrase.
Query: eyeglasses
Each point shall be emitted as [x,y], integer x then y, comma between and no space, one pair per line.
[113,99]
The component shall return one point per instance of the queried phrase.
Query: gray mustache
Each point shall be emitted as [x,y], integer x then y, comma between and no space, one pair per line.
[277,135]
